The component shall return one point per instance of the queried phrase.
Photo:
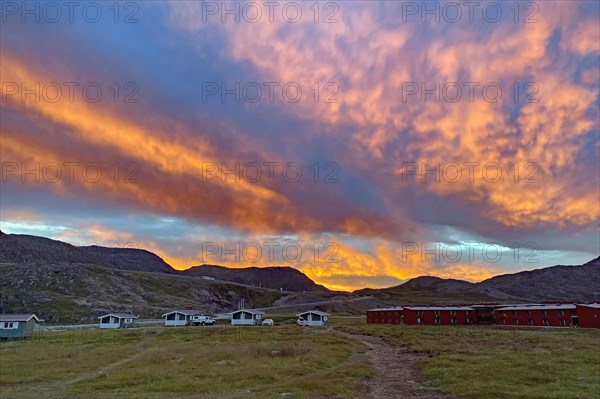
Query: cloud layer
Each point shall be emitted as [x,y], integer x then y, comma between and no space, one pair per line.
[407,131]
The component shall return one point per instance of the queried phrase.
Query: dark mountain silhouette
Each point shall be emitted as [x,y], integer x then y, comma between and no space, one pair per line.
[20,248]
[276,277]
[63,282]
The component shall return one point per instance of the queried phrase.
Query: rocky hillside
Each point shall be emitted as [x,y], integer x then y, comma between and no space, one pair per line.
[556,283]
[278,278]
[18,248]
[78,292]
[67,284]
[550,284]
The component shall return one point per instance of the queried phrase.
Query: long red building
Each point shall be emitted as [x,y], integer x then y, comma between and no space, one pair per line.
[385,316]
[445,315]
[559,315]
[521,315]
[588,315]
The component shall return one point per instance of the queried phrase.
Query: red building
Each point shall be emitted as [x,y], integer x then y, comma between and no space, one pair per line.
[384,316]
[559,315]
[588,315]
[445,315]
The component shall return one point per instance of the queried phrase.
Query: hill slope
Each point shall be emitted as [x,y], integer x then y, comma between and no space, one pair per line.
[19,248]
[556,283]
[78,292]
[550,284]
[285,278]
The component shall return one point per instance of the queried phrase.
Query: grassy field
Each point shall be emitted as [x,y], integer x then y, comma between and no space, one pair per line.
[209,362]
[289,361]
[485,362]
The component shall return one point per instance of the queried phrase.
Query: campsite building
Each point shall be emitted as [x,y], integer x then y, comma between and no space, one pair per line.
[17,325]
[424,315]
[180,317]
[312,318]
[385,316]
[444,315]
[546,315]
[588,315]
[516,315]
[117,320]
[246,317]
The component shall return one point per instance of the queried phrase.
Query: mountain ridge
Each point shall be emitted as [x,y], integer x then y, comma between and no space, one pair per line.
[66,282]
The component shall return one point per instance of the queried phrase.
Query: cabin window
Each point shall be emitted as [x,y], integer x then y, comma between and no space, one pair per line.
[516,322]
[561,312]
[514,312]
[437,312]
[171,316]
[453,320]
[529,313]
[453,313]
[437,322]
[12,325]
[562,322]
[545,322]
[419,313]
[529,322]
[545,312]
[420,321]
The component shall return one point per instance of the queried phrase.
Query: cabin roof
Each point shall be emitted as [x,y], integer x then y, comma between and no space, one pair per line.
[385,309]
[187,312]
[314,312]
[248,311]
[120,315]
[18,317]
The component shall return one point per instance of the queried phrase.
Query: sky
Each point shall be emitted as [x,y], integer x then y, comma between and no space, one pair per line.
[363,143]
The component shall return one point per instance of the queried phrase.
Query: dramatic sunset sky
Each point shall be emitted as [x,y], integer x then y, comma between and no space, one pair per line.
[517,168]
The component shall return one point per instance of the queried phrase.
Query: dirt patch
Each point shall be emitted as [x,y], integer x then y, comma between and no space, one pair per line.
[397,377]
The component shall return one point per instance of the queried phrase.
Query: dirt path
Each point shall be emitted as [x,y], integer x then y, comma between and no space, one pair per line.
[140,350]
[397,377]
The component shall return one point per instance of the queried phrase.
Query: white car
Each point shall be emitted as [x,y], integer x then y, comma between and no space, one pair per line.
[200,320]
[302,322]
[268,322]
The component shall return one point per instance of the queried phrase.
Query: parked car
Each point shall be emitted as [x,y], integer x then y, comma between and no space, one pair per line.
[302,322]
[200,320]
[268,322]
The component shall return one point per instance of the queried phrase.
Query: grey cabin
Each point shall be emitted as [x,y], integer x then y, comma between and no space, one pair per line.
[13,325]
[117,320]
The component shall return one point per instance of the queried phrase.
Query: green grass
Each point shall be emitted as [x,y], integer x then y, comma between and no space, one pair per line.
[210,362]
[481,362]
[255,362]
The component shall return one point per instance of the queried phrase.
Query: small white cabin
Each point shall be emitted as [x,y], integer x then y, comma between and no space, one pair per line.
[312,318]
[117,320]
[180,317]
[246,317]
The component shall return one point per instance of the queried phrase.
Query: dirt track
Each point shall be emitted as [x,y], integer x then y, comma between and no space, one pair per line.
[397,377]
